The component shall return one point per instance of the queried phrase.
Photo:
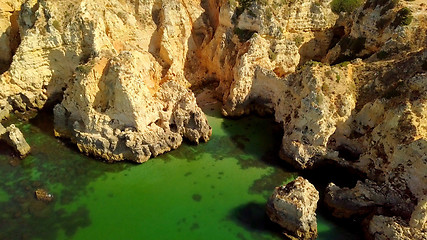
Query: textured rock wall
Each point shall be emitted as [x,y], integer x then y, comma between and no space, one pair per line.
[348,88]
[125,74]
[365,111]
[293,206]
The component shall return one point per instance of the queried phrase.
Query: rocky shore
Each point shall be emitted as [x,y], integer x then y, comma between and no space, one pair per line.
[347,83]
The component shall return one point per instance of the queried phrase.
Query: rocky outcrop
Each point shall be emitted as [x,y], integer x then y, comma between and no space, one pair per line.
[271,35]
[14,137]
[123,79]
[293,207]
[365,198]
[125,75]
[9,31]
[380,29]
[383,227]
[366,111]
[121,118]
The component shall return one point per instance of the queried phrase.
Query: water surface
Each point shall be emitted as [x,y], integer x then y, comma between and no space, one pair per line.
[217,190]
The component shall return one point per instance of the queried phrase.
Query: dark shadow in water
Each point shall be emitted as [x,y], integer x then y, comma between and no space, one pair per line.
[252,217]
[321,176]
[56,166]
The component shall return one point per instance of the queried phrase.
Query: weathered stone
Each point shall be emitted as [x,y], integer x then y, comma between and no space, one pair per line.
[375,30]
[293,207]
[15,139]
[124,117]
[123,101]
[364,198]
[132,101]
[419,215]
[384,228]
[43,195]
[5,109]
[2,130]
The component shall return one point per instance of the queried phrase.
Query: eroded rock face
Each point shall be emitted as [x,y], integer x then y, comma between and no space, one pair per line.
[293,207]
[364,198]
[367,113]
[114,114]
[380,29]
[281,35]
[383,227]
[125,74]
[14,137]
[124,71]
[9,31]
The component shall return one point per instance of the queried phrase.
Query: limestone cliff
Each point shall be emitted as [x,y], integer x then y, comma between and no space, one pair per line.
[360,103]
[124,73]
[348,87]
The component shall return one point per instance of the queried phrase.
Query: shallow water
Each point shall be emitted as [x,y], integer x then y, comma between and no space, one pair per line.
[216,190]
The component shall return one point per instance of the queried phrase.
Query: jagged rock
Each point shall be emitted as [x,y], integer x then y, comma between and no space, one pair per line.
[364,198]
[124,117]
[384,228]
[123,101]
[368,114]
[9,32]
[2,130]
[43,195]
[271,35]
[131,101]
[14,137]
[419,215]
[293,207]
[5,109]
[382,27]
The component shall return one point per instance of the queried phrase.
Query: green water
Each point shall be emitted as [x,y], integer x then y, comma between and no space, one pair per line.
[216,190]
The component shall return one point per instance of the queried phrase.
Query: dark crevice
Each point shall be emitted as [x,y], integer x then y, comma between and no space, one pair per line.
[348,153]
[14,41]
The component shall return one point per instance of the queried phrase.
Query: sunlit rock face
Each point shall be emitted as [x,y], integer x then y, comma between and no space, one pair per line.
[361,103]
[348,88]
[123,67]
[293,206]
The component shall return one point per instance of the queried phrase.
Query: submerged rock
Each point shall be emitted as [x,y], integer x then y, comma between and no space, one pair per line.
[293,207]
[14,137]
[43,195]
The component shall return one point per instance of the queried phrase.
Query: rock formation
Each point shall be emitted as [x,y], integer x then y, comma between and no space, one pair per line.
[125,77]
[14,137]
[383,228]
[349,86]
[293,207]
[360,103]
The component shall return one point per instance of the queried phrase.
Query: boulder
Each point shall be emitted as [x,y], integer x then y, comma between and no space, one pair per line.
[14,137]
[293,206]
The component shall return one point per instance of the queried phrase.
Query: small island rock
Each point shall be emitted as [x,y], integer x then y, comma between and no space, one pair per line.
[293,207]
